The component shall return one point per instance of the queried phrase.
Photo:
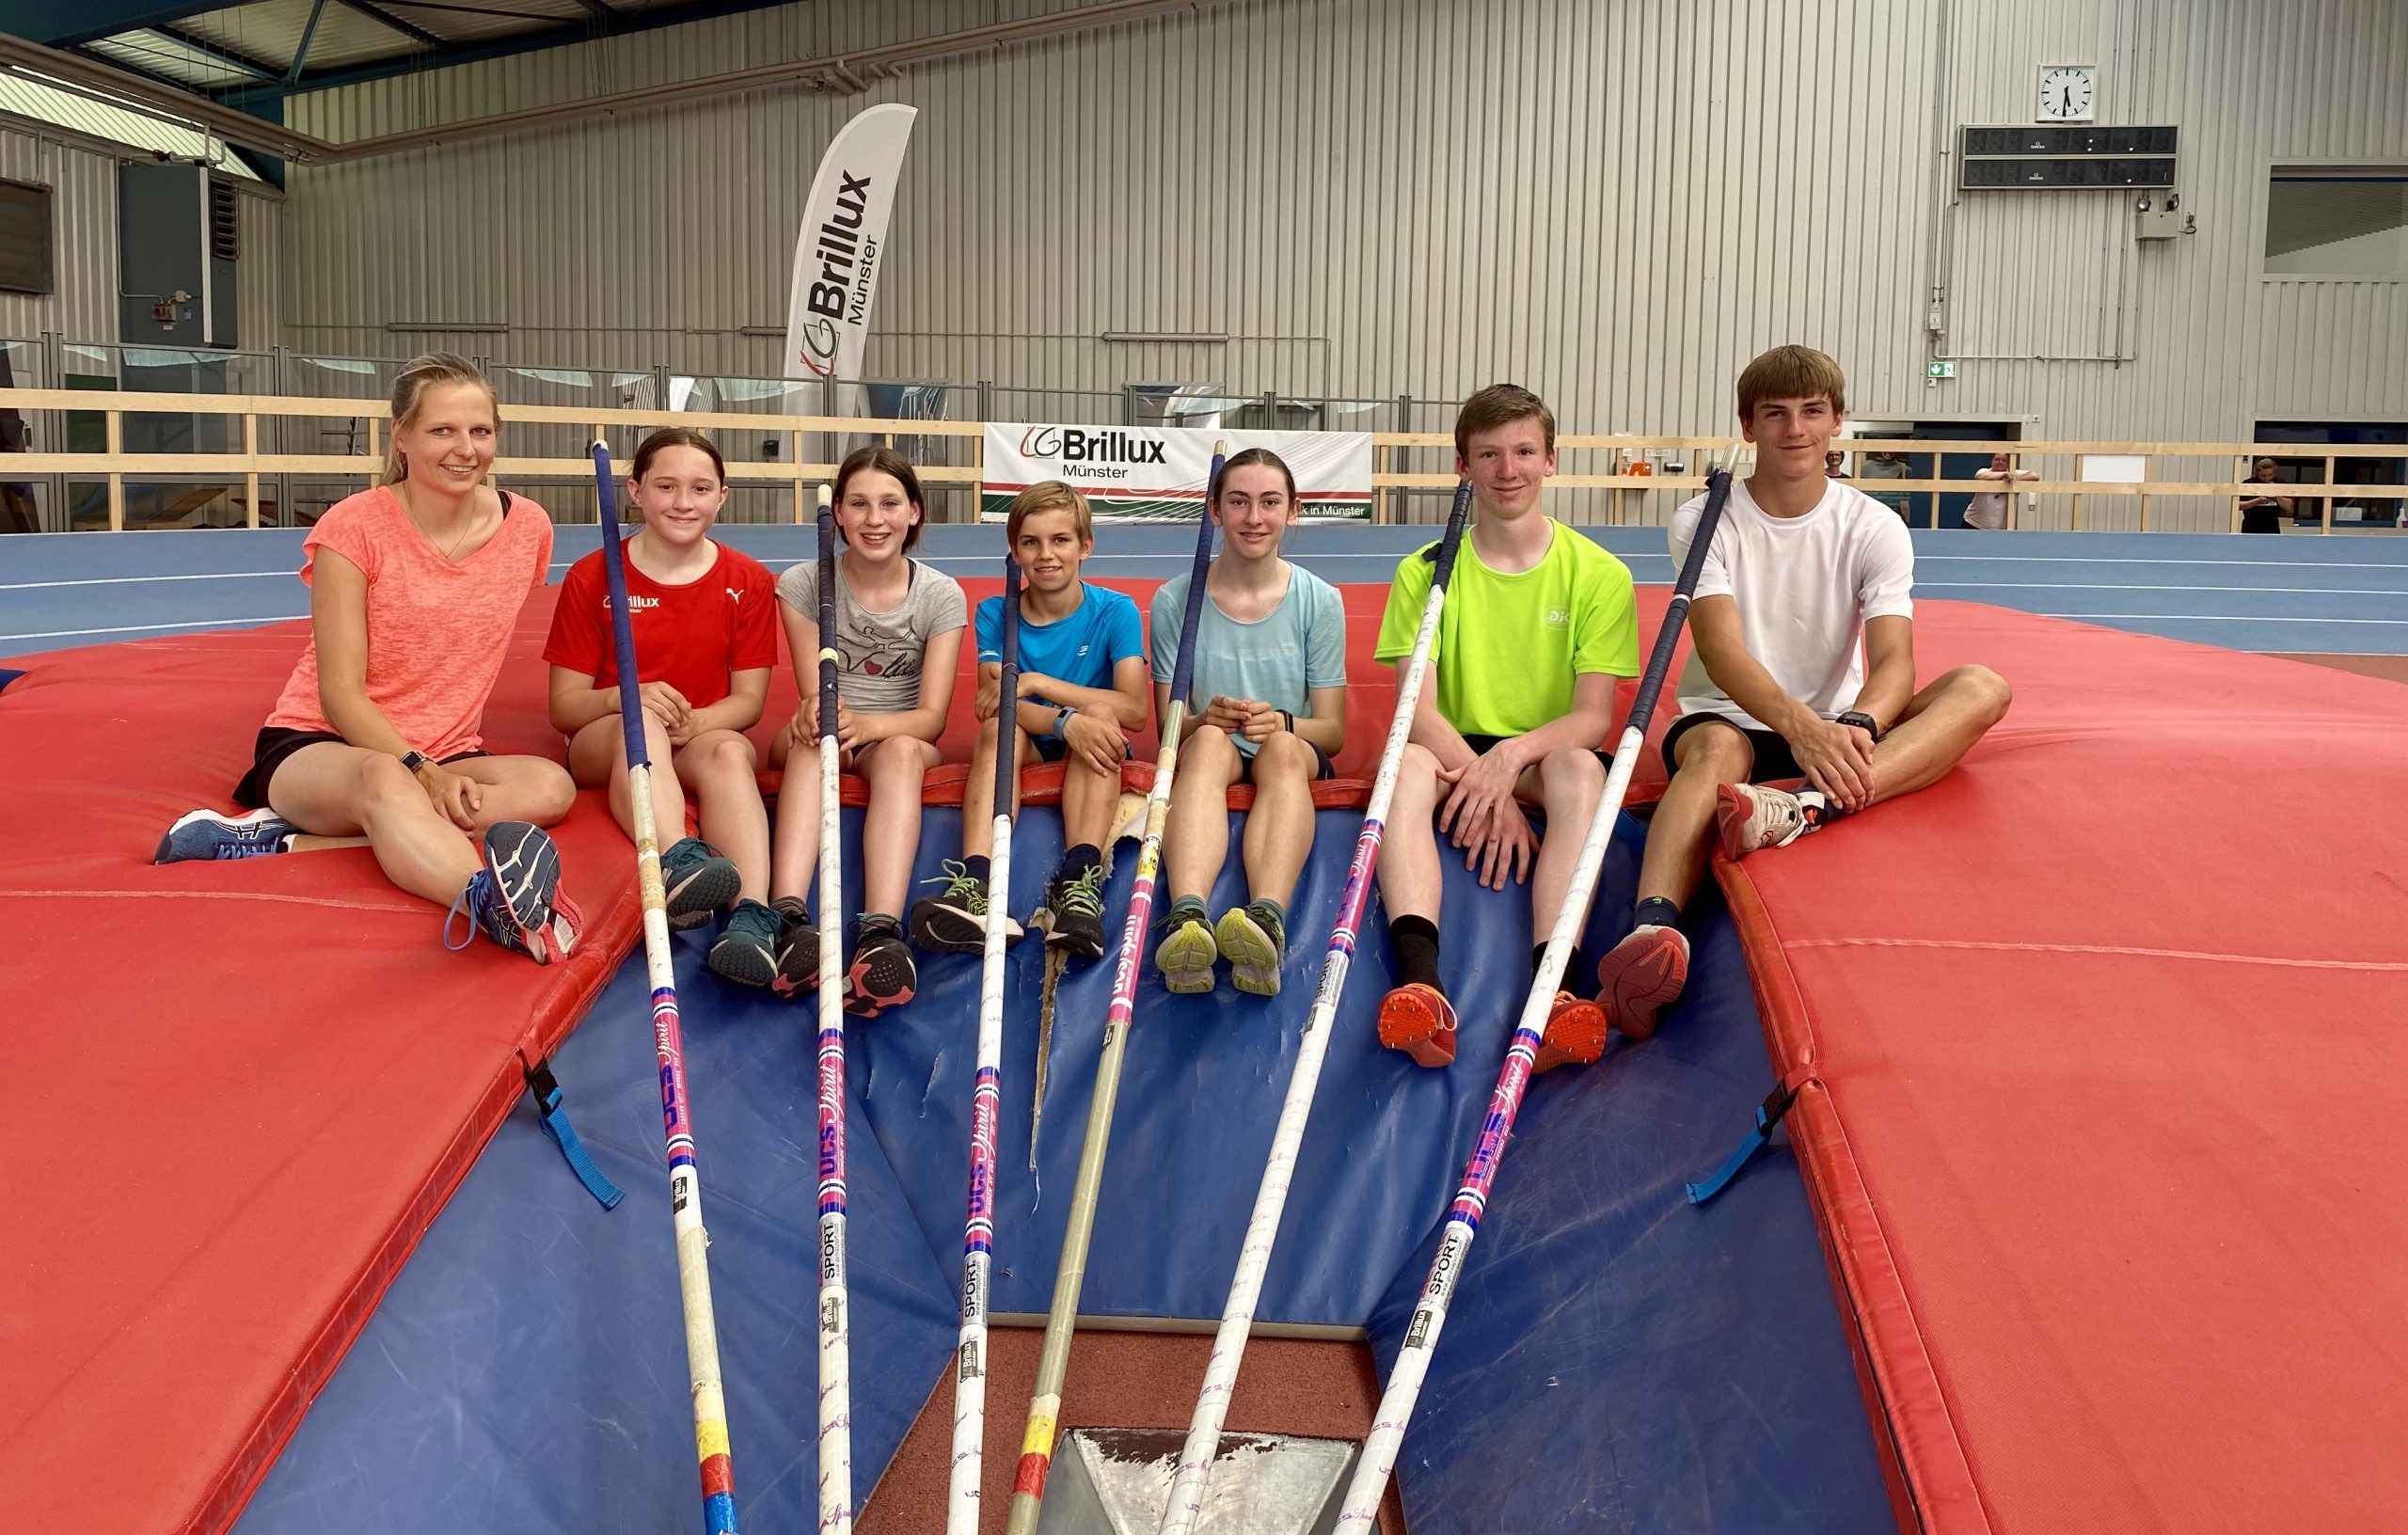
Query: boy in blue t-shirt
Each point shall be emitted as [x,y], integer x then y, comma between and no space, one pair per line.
[1082,686]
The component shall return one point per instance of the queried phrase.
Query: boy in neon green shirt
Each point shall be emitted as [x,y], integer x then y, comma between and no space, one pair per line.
[1538,623]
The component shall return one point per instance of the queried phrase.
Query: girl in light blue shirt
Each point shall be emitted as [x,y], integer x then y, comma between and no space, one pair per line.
[1268,707]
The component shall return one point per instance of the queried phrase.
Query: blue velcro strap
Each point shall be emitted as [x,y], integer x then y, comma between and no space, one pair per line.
[546,1092]
[1769,1115]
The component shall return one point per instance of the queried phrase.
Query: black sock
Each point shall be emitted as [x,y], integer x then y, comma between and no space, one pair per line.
[977,867]
[1078,861]
[877,922]
[1656,911]
[1415,942]
[791,907]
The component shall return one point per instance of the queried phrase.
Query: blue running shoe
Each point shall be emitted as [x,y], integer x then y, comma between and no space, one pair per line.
[696,882]
[205,833]
[514,899]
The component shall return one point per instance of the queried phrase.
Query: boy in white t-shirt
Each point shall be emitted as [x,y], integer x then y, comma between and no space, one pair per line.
[1804,666]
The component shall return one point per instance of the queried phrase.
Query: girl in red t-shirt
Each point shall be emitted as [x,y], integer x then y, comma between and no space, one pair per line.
[414,586]
[706,635]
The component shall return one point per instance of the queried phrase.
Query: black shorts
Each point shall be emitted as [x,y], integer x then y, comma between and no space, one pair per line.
[1322,767]
[278,742]
[1482,744]
[1773,758]
[1053,749]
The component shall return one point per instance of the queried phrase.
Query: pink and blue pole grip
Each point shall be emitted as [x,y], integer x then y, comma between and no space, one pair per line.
[623,629]
[1480,1178]
[717,1467]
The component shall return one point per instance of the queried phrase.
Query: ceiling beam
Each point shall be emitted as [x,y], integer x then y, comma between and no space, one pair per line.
[217,53]
[832,73]
[409,30]
[63,23]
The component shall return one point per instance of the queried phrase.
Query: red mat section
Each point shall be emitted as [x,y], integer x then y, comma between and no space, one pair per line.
[243,1090]
[2101,1042]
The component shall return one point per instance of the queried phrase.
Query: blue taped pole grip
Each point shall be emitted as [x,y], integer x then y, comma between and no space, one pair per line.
[1667,636]
[623,629]
[827,613]
[1007,760]
[1182,675]
[1452,541]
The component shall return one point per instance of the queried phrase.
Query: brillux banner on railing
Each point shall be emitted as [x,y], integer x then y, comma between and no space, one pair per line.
[1133,473]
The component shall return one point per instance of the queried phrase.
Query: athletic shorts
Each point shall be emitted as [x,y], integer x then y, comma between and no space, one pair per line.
[1053,749]
[278,742]
[1773,758]
[1322,767]
[1482,744]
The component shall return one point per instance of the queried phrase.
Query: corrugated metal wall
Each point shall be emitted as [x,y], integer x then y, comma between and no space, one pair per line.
[1615,204]
[82,303]
[84,306]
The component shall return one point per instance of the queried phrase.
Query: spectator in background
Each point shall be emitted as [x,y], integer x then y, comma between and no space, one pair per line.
[1835,465]
[1988,509]
[2263,513]
[1886,466]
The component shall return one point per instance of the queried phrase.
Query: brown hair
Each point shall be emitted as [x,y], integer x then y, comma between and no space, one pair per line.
[885,460]
[417,375]
[1247,459]
[675,436]
[1500,404]
[1048,496]
[1791,372]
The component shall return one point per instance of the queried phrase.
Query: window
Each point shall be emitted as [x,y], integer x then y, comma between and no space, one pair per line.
[25,238]
[2338,223]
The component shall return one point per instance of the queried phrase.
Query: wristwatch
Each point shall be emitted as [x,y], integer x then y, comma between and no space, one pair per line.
[1062,721]
[1863,722]
[415,760]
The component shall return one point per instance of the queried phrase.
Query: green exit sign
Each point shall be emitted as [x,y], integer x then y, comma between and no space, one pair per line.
[1941,370]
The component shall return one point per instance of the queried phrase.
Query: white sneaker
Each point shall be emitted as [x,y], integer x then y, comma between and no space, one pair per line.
[1749,815]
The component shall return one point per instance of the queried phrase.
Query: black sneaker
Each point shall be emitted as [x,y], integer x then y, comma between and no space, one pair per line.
[798,948]
[881,975]
[1075,909]
[697,881]
[747,950]
[954,920]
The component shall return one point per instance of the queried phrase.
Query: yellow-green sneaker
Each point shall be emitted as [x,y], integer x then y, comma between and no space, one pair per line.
[1187,955]
[1254,941]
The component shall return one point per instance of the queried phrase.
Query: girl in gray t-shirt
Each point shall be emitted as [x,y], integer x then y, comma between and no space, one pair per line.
[897,639]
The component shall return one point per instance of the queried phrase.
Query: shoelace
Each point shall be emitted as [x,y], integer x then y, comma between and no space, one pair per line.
[1083,892]
[250,846]
[461,903]
[961,885]
[1179,916]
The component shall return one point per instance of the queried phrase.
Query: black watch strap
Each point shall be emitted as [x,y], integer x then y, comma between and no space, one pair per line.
[1863,722]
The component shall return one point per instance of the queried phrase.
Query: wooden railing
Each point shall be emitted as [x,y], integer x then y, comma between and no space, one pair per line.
[1629,479]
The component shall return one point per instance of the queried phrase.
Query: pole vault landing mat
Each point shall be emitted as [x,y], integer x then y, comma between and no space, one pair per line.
[2098,1048]
[1615,1360]
[2093,1044]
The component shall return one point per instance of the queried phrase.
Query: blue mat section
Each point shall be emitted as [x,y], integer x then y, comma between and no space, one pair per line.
[1616,1360]
[527,1370]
